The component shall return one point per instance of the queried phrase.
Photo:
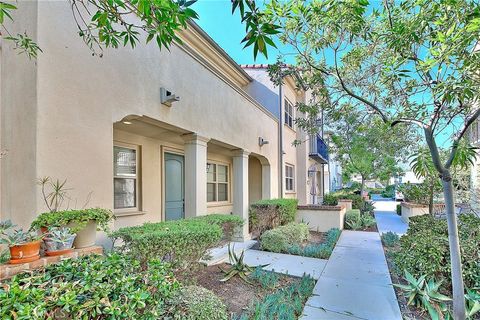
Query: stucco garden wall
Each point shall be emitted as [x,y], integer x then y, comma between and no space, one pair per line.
[321,218]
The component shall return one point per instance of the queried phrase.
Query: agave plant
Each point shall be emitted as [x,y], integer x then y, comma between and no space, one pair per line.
[473,302]
[425,294]
[18,236]
[238,266]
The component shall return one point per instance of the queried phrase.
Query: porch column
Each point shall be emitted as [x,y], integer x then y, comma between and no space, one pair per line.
[195,175]
[240,190]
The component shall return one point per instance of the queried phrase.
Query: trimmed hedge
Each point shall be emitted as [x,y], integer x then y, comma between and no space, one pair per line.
[268,214]
[330,199]
[198,303]
[228,222]
[180,242]
[90,287]
[283,237]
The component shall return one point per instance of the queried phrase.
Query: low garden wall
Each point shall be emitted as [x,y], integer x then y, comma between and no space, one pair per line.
[322,218]
[9,270]
[412,209]
[347,203]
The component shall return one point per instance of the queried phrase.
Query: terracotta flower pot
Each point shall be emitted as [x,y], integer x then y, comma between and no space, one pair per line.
[26,252]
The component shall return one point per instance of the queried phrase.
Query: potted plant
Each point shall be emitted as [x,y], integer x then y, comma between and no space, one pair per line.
[84,223]
[24,246]
[58,241]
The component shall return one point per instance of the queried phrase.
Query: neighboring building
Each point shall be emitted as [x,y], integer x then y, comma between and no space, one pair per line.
[406,177]
[100,123]
[333,172]
[301,166]
[474,137]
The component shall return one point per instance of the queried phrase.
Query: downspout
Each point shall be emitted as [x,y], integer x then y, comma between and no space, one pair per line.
[280,139]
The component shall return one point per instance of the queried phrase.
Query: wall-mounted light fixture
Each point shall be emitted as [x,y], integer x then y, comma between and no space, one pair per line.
[167,97]
[208,167]
[262,141]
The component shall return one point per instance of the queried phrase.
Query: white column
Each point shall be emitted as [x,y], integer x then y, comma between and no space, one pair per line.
[240,190]
[195,175]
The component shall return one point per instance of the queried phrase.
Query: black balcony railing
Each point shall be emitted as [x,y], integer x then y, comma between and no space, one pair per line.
[318,149]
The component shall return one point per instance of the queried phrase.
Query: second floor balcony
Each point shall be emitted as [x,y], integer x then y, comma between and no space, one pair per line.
[318,149]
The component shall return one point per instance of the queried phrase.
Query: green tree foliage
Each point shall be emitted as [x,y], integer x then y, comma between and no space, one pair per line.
[368,147]
[409,62]
[114,23]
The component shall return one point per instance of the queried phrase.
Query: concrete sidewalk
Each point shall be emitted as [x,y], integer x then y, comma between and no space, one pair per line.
[388,219]
[355,283]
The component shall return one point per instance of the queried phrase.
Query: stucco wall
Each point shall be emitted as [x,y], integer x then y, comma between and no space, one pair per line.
[79,97]
[19,121]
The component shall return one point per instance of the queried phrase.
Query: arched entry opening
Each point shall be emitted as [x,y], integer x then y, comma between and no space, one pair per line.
[259,178]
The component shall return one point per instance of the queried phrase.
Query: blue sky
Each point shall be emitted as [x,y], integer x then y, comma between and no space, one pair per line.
[227,30]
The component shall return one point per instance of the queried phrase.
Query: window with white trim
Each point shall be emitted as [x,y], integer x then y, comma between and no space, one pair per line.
[289,177]
[217,182]
[289,114]
[125,177]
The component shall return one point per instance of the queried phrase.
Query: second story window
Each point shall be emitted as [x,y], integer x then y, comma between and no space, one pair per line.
[289,177]
[289,116]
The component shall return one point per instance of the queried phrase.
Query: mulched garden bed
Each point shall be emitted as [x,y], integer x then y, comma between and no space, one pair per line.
[235,293]
[408,312]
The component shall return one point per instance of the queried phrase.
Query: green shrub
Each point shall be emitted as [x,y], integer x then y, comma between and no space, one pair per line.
[355,220]
[286,303]
[330,200]
[424,248]
[320,250]
[228,222]
[281,238]
[90,287]
[268,214]
[390,239]
[351,216]
[389,192]
[80,217]
[181,242]
[367,208]
[198,303]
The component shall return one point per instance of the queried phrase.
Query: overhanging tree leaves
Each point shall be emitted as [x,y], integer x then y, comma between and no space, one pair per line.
[409,62]
[115,23]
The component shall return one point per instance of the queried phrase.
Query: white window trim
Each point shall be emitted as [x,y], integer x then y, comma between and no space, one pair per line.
[228,183]
[292,178]
[292,114]
[137,208]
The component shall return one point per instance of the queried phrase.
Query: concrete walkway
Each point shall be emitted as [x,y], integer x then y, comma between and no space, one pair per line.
[387,217]
[286,263]
[355,283]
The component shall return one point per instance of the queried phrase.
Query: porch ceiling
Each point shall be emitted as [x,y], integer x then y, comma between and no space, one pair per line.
[151,128]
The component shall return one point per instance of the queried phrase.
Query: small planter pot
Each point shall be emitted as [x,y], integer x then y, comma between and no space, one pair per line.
[54,248]
[85,237]
[26,252]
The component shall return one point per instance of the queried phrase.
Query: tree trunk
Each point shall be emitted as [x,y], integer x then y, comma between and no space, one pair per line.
[453,241]
[430,197]
[362,187]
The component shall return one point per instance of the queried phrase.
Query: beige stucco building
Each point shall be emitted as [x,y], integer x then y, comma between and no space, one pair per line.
[103,124]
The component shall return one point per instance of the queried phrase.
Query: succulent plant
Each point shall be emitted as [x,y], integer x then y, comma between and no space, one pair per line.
[11,236]
[59,238]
